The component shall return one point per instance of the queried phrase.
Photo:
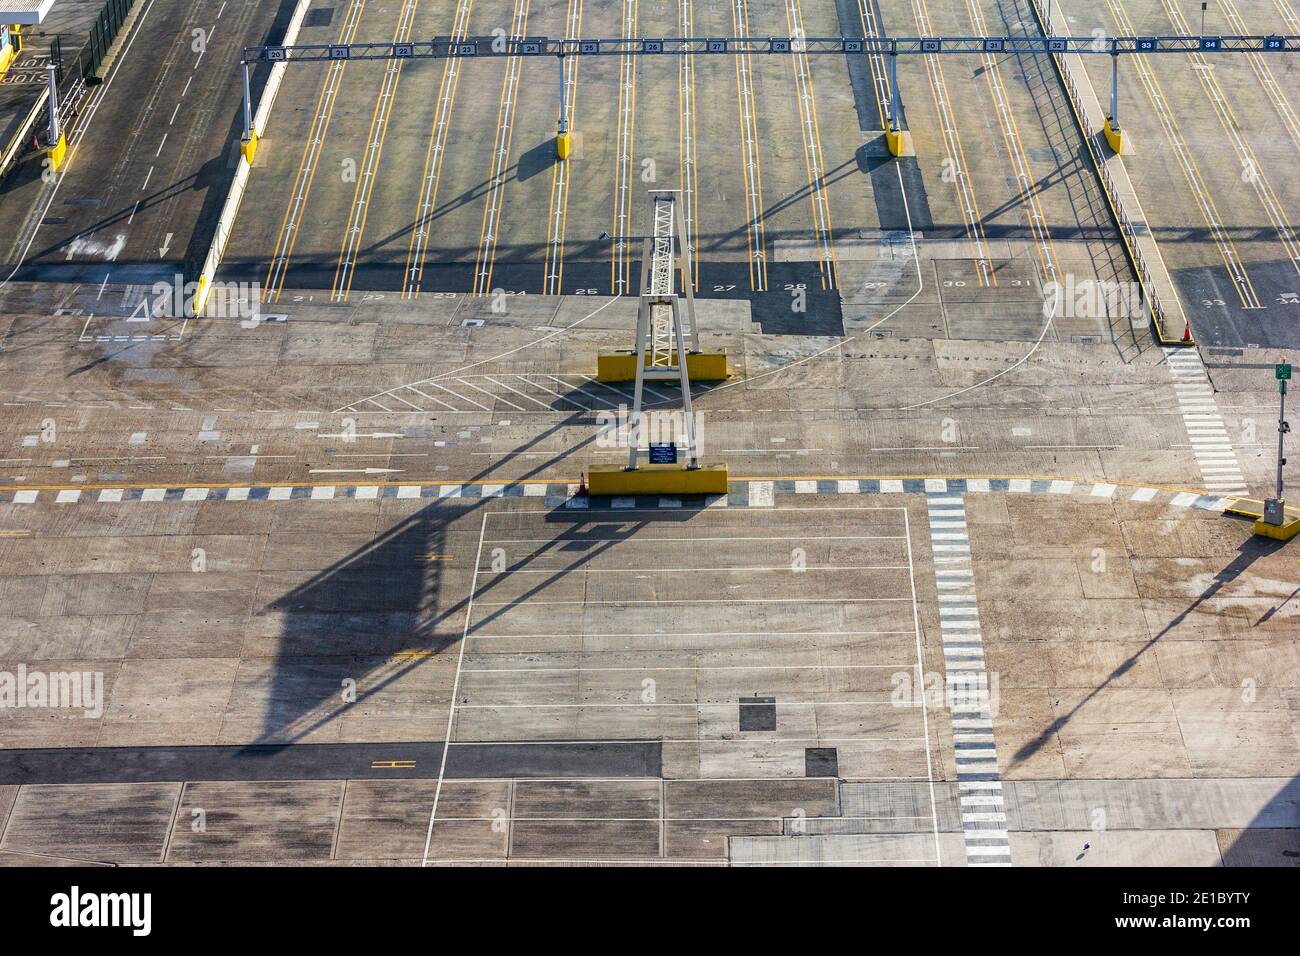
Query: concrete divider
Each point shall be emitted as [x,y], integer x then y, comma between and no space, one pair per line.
[24,130]
[700,366]
[1168,318]
[231,208]
[658,480]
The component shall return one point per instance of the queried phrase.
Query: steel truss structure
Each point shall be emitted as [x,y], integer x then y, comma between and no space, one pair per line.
[503,46]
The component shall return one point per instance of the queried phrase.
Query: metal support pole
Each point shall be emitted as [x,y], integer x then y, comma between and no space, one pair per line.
[684,377]
[1049,18]
[56,127]
[644,331]
[1114,88]
[1281,433]
[564,106]
[1275,507]
[893,86]
[248,106]
[687,272]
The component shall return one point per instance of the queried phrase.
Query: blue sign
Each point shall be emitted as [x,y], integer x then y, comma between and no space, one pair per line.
[1146,44]
[931,46]
[588,46]
[777,45]
[1211,43]
[530,47]
[1274,43]
[663,453]
[993,45]
[716,46]
[652,46]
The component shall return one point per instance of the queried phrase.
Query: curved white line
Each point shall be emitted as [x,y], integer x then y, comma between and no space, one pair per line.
[1021,361]
[494,358]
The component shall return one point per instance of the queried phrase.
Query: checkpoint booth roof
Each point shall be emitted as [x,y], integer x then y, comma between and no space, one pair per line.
[24,12]
[14,15]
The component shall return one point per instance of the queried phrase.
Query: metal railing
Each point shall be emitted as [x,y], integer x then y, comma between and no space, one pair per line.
[101,37]
[1099,161]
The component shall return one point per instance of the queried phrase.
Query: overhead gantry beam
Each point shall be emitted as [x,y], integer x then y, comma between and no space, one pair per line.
[498,46]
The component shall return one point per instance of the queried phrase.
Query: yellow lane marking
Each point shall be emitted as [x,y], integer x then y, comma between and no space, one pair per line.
[736,479]
[952,138]
[355,228]
[490,229]
[392,764]
[1264,74]
[751,161]
[1200,191]
[291,224]
[557,216]
[1045,246]
[419,244]
[1251,170]
[686,137]
[438,557]
[814,160]
[15,534]
[620,264]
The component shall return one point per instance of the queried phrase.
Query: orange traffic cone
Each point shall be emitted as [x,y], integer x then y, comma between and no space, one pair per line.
[582,484]
[1187,330]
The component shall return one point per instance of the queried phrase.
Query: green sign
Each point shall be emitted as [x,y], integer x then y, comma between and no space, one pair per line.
[1283,371]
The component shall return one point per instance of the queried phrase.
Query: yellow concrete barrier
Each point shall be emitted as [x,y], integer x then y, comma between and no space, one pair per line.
[563,145]
[1113,136]
[249,148]
[700,366]
[899,143]
[57,153]
[658,480]
[1283,532]
[201,295]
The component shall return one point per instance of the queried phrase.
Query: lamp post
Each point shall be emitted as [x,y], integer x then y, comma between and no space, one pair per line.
[1275,507]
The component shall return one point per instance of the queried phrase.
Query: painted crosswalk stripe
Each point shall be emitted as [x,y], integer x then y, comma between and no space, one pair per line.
[1206,430]
[966,680]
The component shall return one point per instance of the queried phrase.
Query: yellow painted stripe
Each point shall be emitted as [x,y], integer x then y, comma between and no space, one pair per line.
[430,482]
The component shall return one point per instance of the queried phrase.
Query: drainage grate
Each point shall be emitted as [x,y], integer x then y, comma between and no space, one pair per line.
[821,762]
[757,713]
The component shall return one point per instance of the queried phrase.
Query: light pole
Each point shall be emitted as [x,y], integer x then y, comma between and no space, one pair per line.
[1275,507]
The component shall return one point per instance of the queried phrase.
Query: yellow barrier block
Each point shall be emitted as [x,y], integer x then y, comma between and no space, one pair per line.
[1114,136]
[563,145]
[1283,532]
[201,295]
[57,153]
[900,143]
[700,366]
[249,148]
[6,59]
[658,480]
